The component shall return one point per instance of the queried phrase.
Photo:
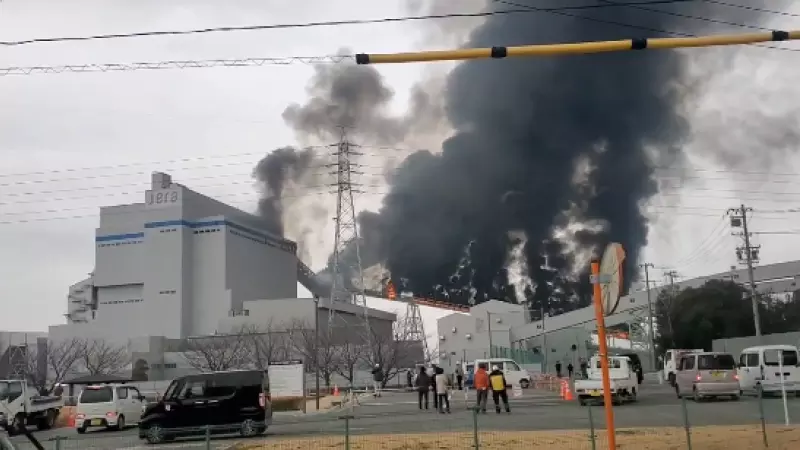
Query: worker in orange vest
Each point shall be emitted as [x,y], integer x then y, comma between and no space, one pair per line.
[481,383]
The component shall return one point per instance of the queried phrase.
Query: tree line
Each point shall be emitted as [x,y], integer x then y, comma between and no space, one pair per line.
[719,309]
[342,352]
[47,366]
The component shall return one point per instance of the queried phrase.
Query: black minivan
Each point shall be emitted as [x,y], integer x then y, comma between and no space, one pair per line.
[222,402]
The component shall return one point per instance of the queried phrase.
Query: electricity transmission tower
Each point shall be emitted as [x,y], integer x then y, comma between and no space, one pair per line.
[346,248]
[747,254]
[18,357]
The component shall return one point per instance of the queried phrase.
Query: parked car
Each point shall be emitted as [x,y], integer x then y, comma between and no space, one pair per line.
[111,406]
[707,374]
[226,402]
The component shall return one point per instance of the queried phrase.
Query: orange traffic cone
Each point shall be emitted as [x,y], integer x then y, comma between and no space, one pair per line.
[335,390]
[563,393]
[568,392]
[71,420]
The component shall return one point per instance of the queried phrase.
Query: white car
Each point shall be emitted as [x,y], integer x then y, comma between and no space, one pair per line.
[112,406]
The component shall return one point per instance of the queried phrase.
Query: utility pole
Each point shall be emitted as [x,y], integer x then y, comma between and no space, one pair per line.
[747,255]
[316,350]
[671,274]
[346,235]
[650,314]
[489,321]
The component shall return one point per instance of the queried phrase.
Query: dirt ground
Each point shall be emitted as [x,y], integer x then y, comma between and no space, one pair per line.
[703,438]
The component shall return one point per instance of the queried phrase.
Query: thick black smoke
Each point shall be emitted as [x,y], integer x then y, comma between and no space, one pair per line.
[522,127]
[279,167]
[541,145]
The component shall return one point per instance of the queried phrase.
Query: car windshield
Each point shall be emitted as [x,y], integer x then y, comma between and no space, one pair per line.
[3,389]
[715,362]
[97,395]
[170,390]
[8,388]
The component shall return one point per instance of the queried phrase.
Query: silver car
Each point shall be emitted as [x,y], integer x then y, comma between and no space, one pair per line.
[707,374]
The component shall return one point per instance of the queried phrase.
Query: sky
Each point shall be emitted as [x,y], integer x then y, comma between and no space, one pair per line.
[71,143]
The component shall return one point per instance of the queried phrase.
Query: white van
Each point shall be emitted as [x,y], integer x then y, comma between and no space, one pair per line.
[515,375]
[112,406]
[759,366]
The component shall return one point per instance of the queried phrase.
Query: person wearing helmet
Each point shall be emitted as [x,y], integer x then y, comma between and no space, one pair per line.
[497,381]
[377,379]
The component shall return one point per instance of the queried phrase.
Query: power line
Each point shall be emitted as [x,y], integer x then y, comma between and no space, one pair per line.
[751,8]
[334,23]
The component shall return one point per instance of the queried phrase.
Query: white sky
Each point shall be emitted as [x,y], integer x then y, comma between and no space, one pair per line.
[56,122]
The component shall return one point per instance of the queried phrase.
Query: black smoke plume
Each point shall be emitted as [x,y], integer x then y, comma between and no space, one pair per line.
[525,126]
[273,173]
[561,149]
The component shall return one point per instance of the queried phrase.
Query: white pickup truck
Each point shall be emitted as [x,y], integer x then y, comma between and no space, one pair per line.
[624,383]
[21,405]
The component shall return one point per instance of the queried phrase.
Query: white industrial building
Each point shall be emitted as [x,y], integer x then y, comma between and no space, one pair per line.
[569,336]
[181,264]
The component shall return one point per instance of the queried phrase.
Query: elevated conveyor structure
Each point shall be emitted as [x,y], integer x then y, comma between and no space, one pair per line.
[307,278]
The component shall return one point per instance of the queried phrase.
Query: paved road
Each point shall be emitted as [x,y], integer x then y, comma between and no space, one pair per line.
[398,413]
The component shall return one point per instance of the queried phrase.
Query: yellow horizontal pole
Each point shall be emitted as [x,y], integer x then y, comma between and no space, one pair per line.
[577,48]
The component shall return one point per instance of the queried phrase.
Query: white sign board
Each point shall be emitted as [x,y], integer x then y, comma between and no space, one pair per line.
[516,391]
[286,379]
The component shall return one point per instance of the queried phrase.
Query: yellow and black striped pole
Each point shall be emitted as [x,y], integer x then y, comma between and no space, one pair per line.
[577,48]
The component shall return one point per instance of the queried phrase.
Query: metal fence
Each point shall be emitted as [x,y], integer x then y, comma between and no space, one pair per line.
[539,418]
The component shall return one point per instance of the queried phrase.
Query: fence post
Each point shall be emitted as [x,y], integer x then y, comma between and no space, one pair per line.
[208,437]
[591,428]
[346,431]
[686,425]
[475,438]
[58,440]
[760,393]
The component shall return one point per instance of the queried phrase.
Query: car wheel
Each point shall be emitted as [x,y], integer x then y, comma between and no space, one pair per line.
[120,423]
[48,421]
[154,434]
[81,430]
[17,425]
[524,384]
[735,398]
[249,428]
[695,395]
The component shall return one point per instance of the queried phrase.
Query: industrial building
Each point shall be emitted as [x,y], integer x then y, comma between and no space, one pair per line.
[181,265]
[570,336]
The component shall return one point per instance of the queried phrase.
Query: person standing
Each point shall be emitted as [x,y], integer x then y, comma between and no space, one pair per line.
[410,379]
[498,383]
[481,383]
[423,386]
[558,369]
[459,376]
[442,383]
[377,379]
[570,369]
[432,381]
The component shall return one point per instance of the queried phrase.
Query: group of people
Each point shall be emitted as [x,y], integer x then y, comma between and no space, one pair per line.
[571,369]
[441,385]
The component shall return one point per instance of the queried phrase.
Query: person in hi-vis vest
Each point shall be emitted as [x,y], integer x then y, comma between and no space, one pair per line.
[497,381]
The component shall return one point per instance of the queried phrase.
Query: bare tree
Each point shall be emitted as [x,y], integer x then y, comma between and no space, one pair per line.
[350,353]
[99,357]
[316,349]
[265,344]
[393,351]
[217,353]
[62,359]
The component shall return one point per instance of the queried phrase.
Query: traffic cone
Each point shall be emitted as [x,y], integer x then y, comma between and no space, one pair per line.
[335,390]
[563,393]
[568,392]
[71,419]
